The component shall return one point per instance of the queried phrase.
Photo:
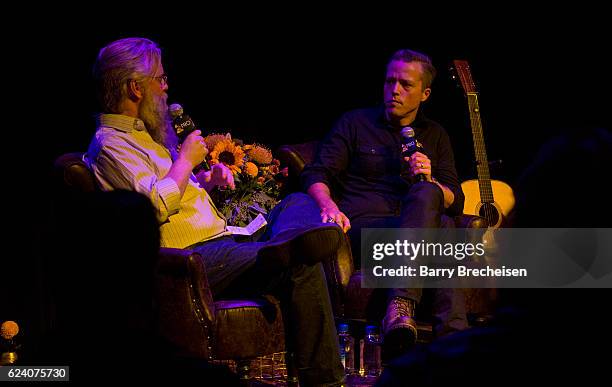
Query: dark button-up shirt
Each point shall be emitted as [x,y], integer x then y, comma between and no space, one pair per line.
[360,160]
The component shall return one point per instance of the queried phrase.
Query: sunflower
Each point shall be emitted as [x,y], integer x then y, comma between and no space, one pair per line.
[259,154]
[213,139]
[228,153]
[251,169]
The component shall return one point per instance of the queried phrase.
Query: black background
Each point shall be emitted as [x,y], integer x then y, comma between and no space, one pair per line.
[276,76]
[286,78]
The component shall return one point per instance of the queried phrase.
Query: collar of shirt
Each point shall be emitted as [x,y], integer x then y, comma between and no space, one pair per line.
[417,124]
[120,122]
[126,124]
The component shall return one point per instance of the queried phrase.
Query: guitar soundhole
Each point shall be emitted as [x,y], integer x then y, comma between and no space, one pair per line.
[490,213]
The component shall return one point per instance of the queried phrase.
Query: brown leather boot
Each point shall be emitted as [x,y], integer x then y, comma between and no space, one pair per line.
[399,328]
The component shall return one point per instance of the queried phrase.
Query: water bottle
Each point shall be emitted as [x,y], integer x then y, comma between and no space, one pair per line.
[371,352]
[347,349]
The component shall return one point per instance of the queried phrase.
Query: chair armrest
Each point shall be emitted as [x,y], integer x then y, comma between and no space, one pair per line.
[295,157]
[185,306]
[71,174]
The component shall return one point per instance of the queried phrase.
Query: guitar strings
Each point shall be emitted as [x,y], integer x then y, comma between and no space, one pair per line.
[482,167]
[486,190]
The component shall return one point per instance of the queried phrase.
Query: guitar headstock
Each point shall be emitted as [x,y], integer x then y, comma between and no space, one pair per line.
[460,71]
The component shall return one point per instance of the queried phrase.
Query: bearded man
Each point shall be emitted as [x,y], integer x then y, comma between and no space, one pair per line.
[135,148]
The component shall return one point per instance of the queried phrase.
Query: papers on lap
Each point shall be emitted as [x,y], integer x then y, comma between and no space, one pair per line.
[250,228]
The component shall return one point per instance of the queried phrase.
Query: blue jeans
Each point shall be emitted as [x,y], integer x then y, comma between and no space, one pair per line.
[422,207]
[233,271]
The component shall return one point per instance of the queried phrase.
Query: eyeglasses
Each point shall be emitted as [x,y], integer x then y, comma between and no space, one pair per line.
[162,79]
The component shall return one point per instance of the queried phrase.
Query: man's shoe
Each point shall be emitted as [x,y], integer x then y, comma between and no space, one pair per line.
[399,328]
[307,245]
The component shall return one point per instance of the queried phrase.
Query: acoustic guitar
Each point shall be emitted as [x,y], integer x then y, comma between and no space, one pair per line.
[491,199]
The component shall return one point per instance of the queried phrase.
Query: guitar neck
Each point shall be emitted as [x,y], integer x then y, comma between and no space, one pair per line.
[480,150]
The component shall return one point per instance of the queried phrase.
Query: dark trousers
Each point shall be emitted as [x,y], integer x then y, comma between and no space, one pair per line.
[233,271]
[422,207]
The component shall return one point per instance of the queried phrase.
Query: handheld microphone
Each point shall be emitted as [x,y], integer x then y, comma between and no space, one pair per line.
[183,126]
[410,146]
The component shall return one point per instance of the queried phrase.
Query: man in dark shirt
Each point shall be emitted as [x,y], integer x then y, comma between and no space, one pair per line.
[361,162]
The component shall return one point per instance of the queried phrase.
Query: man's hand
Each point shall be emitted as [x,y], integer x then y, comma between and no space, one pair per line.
[193,149]
[329,210]
[419,164]
[219,175]
[334,215]
[192,153]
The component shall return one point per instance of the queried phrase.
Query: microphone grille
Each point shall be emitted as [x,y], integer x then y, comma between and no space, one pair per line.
[175,110]
[407,131]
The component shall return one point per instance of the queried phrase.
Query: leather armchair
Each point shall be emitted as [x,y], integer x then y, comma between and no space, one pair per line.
[349,299]
[189,317]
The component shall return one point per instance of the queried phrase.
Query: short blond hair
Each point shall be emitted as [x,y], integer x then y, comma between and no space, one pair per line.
[406,55]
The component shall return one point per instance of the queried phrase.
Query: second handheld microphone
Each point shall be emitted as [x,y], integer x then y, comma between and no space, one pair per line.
[410,146]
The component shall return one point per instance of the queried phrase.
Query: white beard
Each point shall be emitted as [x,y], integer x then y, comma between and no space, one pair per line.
[154,114]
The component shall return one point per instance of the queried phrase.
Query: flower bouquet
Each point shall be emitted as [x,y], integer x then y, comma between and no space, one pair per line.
[257,176]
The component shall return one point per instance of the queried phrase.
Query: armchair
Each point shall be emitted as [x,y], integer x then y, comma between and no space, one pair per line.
[189,318]
[349,299]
